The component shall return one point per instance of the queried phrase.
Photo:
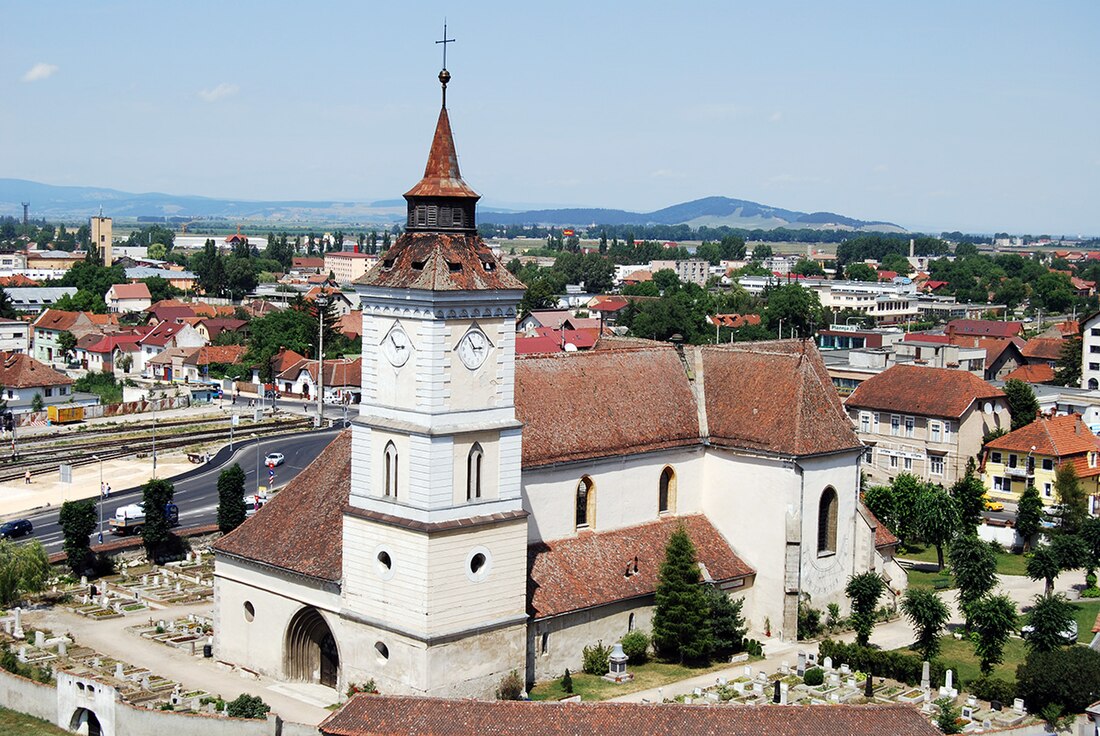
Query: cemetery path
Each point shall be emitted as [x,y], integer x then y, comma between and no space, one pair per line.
[192,672]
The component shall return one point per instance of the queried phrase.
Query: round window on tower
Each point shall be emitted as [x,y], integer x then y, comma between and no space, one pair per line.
[383,562]
[249,611]
[382,651]
[479,563]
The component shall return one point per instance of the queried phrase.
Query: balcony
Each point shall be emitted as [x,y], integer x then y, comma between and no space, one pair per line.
[1020,472]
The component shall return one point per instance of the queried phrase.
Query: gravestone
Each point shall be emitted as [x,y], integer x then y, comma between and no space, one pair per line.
[828,664]
[783,694]
[775,692]
[925,676]
[801,666]
[869,686]
[39,638]
[119,674]
[1018,706]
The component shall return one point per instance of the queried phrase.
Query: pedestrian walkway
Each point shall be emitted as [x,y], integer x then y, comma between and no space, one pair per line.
[891,635]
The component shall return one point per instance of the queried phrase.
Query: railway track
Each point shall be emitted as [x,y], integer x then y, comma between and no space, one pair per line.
[82,453]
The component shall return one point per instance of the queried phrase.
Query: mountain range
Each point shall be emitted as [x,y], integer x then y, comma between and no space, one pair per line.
[75,202]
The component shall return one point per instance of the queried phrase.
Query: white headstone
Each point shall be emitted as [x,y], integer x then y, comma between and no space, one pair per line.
[84,580]
[39,638]
[62,649]
[783,687]
[845,669]
[948,678]
[1018,706]
[118,671]
[925,676]
[801,670]
[828,664]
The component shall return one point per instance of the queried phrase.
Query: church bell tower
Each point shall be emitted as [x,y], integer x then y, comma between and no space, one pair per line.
[435,535]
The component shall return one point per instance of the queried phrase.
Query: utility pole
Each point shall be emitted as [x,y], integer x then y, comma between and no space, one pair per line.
[322,302]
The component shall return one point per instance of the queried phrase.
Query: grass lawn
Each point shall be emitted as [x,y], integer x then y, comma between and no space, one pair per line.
[936,580]
[14,722]
[1007,563]
[959,656]
[646,676]
[1086,617]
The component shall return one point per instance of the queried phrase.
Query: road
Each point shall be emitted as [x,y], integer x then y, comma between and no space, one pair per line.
[197,496]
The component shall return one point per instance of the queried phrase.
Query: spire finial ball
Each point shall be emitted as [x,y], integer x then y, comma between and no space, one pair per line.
[444,77]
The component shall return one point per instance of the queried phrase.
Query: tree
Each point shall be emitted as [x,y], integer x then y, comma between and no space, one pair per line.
[247,706]
[798,309]
[969,495]
[807,267]
[77,520]
[929,615]
[82,301]
[864,590]
[761,252]
[727,625]
[1022,404]
[1050,618]
[908,493]
[860,272]
[993,619]
[680,614]
[156,534]
[24,568]
[160,288]
[1043,565]
[974,567]
[1029,515]
[1067,371]
[938,519]
[880,500]
[1069,678]
[947,715]
[1070,494]
[287,328]
[37,404]
[231,507]
[93,277]
[709,252]
[1090,538]
[7,309]
[66,342]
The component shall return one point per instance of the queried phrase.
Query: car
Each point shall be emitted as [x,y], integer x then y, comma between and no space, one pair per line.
[991,505]
[16,528]
[1068,636]
[274,458]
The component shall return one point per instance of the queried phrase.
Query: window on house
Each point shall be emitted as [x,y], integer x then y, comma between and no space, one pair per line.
[544,644]
[666,493]
[1094,348]
[994,457]
[1048,490]
[909,424]
[874,423]
[1095,331]
[864,422]
[473,472]
[391,469]
[1048,463]
[827,522]
[1092,366]
[935,464]
[894,462]
[935,431]
[895,425]
[586,502]
[998,483]
[1092,459]
[49,392]
[1012,460]
[869,455]
[908,463]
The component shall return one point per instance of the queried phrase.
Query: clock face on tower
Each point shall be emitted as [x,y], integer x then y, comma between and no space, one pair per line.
[396,347]
[473,348]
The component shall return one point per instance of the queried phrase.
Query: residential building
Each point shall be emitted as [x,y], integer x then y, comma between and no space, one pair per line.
[941,355]
[1090,351]
[99,352]
[690,271]
[196,366]
[128,298]
[1033,453]
[22,378]
[884,302]
[182,280]
[13,261]
[925,421]
[1043,351]
[33,299]
[14,336]
[164,336]
[342,379]
[212,327]
[54,260]
[854,337]
[346,267]
[102,238]
[52,323]
[984,328]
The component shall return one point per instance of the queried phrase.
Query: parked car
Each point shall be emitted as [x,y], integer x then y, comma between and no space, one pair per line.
[16,528]
[274,458]
[992,505]
[1068,636]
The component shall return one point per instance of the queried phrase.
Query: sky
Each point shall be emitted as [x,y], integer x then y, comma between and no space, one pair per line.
[937,115]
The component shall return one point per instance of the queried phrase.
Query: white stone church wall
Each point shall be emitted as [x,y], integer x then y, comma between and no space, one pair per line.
[626,491]
[824,576]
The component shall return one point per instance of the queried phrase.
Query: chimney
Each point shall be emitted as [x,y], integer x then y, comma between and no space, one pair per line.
[912,248]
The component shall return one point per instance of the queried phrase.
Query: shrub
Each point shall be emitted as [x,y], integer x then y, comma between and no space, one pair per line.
[809,621]
[1069,678]
[992,688]
[567,682]
[948,717]
[636,646]
[833,621]
[247,706]
[895,665]
[596,658]
[814,676]
[511,687]
[363,687]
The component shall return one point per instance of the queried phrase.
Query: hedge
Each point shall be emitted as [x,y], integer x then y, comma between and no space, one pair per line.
[905,668]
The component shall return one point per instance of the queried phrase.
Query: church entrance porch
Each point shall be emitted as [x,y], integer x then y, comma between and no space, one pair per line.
[311,654]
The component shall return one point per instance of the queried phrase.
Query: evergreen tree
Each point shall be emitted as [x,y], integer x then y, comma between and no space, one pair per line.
[680,616]
[231,507]
[156,534]
[77,520]
[1029,515]
[1022,404]
[1067,371]
[864,591]
[727,625]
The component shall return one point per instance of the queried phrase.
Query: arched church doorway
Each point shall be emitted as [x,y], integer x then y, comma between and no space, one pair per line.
[311,652]
[85,722]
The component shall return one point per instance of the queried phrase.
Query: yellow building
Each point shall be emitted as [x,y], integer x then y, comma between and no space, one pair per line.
[1033,453]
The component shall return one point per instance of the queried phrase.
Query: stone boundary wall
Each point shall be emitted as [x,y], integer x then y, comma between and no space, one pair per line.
[116,718]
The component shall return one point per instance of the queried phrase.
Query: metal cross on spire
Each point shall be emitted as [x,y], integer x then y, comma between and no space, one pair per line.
[444,75]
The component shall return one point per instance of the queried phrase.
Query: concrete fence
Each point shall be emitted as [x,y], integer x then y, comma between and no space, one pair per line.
[81,704]
[39,418]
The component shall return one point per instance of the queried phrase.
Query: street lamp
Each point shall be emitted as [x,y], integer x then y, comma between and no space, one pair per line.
[99,460]
[153,398]
[257,438]
[322,303]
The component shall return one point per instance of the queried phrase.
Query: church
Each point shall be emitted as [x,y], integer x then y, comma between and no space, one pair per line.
[488,513]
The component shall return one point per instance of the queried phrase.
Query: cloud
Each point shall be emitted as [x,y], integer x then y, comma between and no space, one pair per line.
[776,116]
[41,70]
[220,92]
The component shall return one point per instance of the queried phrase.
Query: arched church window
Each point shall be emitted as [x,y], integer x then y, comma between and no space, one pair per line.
[666,494]
[473,472]
[391,470]
[827,522]
[586,503]
[1093,384]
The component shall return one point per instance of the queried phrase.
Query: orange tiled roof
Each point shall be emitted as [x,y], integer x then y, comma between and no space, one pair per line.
[930,392]
[1032,373]
[1043,348]
[1059,437]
